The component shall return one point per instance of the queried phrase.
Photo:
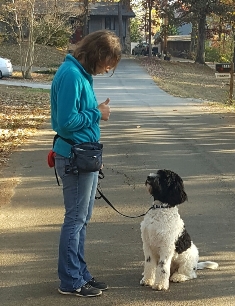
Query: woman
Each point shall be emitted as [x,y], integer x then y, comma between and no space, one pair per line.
[75,116]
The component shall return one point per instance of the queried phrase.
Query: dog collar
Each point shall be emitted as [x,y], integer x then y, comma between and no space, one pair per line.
[161,205]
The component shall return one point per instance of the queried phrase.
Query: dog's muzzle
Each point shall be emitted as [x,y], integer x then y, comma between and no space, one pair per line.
[150,178]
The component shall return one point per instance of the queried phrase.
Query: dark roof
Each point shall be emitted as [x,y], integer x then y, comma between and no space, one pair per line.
[96,9]
[104,9]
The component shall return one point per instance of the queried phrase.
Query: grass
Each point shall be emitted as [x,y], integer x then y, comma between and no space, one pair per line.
[188,80]
[45,56]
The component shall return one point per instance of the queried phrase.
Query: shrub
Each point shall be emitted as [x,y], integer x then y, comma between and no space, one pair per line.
[213,54]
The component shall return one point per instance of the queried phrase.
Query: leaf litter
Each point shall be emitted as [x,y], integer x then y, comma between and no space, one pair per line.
[22,112]
[187,79]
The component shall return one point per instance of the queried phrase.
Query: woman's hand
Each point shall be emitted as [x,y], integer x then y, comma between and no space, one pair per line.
[105,109]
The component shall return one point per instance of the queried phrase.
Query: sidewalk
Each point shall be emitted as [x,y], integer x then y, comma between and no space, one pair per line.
[25,84]
[18,68]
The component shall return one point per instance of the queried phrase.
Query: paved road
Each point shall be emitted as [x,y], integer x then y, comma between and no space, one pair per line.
[148,130]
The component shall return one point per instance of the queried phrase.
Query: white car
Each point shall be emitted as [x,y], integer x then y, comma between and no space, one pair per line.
[5,67]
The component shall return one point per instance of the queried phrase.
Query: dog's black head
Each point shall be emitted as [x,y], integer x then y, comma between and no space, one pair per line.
[167,187]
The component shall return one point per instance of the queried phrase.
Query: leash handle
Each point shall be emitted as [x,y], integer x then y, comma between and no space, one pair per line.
[111,205]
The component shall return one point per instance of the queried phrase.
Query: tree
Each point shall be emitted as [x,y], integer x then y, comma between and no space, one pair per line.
[18,16]
[199,10]
[147,19]
[170,21]
[30,20]
[135,30]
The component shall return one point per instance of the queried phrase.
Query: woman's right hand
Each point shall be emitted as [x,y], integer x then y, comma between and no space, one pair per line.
[105,109]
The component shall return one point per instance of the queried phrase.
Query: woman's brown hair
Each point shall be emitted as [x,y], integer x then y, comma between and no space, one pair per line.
[100,47]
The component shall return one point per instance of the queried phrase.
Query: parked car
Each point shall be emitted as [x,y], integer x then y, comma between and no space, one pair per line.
[143,49]
[182,54]
[5,67]
[140,49]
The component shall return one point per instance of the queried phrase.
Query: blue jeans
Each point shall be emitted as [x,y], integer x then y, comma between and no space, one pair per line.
[79,196]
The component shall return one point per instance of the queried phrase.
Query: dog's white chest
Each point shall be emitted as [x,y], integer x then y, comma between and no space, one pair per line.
[161,223]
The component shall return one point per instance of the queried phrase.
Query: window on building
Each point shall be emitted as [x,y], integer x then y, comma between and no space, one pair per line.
[109,23]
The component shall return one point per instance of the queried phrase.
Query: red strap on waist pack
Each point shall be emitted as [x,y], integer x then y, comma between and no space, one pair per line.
[51,159]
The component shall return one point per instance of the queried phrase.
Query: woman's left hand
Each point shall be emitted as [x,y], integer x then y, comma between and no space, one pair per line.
[105,110]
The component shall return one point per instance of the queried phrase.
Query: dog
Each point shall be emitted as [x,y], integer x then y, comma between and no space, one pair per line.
[170,254]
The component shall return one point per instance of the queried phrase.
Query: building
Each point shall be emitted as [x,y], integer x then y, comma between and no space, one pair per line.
[110,16]
[178,44]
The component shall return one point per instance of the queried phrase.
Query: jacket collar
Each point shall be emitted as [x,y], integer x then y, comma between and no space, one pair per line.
[88,76]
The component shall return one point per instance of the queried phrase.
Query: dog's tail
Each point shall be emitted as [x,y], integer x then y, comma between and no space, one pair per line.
[207,264]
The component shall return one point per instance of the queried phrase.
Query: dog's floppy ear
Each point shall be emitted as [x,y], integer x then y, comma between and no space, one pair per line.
[177,195]
[172,188]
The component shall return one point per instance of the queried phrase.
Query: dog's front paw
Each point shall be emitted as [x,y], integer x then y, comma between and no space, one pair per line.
[144,282]
[161,287]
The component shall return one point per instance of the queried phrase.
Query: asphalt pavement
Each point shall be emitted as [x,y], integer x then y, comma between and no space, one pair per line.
[148,130]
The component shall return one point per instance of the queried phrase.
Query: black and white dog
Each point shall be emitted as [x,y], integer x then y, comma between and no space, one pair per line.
[169,252]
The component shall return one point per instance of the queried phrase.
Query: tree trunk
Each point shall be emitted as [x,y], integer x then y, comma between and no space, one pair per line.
[127,43]
[231,96]
[150,28]
[200,56]
[120,22]
[85,21]
[27,71]
[192,48]
[27,74]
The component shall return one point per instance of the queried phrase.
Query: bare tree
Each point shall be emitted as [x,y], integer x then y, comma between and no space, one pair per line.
[17,15]
[29,54]
[24,20]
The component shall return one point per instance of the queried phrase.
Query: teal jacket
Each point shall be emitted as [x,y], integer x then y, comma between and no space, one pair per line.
[74,112]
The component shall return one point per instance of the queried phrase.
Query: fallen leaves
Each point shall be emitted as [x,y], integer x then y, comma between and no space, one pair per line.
[22,111]
[186,79]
